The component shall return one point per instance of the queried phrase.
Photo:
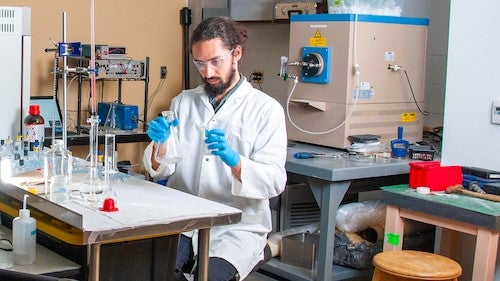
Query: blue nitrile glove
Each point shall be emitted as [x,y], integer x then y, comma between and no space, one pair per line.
[159,129]
[218,145]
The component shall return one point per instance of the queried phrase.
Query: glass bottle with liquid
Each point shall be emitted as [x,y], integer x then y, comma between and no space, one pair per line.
[169,151]
[57,173]
[34,124]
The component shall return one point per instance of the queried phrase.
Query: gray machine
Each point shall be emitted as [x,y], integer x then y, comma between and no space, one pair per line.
[351,73]
[15,73]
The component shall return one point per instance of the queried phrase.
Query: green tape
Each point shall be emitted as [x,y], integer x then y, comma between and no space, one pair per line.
[337,2]
[393,238]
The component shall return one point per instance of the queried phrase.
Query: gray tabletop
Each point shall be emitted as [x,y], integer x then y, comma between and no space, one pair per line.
[342,167]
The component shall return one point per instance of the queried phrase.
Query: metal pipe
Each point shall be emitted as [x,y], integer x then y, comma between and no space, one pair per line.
[65,85]
[203,246]
[95,253]
[185,22]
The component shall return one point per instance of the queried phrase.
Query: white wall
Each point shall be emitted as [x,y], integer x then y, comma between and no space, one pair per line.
[469,138]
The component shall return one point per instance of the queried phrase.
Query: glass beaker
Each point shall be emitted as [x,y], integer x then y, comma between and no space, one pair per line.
[169,151]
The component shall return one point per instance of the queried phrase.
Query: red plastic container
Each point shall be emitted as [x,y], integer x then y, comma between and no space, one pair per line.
[433,175]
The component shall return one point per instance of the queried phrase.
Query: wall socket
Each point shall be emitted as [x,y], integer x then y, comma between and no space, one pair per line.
[163,72]
[257,76]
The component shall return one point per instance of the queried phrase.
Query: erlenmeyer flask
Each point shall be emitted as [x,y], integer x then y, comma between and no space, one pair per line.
[169,151]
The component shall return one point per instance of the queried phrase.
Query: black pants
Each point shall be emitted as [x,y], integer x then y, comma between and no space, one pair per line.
[218,269]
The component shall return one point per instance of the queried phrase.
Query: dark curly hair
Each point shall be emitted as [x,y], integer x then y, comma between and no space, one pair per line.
[228,31]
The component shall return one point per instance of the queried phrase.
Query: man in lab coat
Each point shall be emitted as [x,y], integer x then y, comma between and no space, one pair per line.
[233,144]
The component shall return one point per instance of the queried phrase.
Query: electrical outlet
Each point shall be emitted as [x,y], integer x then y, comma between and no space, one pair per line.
[163,72]
[257,76]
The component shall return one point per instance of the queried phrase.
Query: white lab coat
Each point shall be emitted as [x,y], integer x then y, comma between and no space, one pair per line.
[255,128]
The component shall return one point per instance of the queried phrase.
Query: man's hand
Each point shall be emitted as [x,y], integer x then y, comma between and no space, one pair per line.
[159,129]
[218,145]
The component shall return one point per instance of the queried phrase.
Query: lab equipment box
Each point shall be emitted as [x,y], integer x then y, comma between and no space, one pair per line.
[433,175]
[421,152]
[300,250]
[365,93]
[119,116]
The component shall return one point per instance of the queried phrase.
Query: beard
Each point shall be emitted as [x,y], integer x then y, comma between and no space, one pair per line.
[213,90]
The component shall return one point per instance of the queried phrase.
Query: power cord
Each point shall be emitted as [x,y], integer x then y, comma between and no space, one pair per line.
[395,67]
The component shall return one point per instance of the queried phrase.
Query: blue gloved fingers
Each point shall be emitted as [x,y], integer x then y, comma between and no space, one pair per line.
[174,122]
[160,121]
[217,132]
[212,139]
[159,130]
[219,146]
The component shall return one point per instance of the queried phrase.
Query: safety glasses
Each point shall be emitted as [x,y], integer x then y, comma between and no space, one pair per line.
[213,63]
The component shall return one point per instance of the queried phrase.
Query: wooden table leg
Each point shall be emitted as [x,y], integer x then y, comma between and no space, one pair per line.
[394,225]
[485,256]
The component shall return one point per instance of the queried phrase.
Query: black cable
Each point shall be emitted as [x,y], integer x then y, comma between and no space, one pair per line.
[425,113]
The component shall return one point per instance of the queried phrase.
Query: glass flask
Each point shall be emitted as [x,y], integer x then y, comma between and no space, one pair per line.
[57,172]
[93,183]
[169,151]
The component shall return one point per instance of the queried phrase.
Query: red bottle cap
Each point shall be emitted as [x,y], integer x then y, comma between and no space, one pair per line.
[108,205]
[34,109]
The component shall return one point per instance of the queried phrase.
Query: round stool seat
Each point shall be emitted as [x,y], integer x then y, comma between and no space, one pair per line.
[414,265]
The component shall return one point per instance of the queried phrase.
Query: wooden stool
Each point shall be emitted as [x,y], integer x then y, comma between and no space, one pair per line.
[414,265]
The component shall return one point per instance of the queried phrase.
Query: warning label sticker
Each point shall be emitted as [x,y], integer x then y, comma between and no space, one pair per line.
[317,40]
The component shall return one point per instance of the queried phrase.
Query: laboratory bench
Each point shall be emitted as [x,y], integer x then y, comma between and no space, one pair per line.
[137,242]
[330,180]
[455,214]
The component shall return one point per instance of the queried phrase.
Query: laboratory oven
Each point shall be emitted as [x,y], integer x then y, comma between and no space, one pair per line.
[355,75]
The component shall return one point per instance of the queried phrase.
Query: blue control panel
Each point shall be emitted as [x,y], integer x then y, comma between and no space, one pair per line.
[316,65]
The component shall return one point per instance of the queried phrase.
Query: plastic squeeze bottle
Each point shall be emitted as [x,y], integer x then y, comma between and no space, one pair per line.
[24,236]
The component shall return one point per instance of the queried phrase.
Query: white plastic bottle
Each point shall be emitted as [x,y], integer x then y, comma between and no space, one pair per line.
[24,236]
